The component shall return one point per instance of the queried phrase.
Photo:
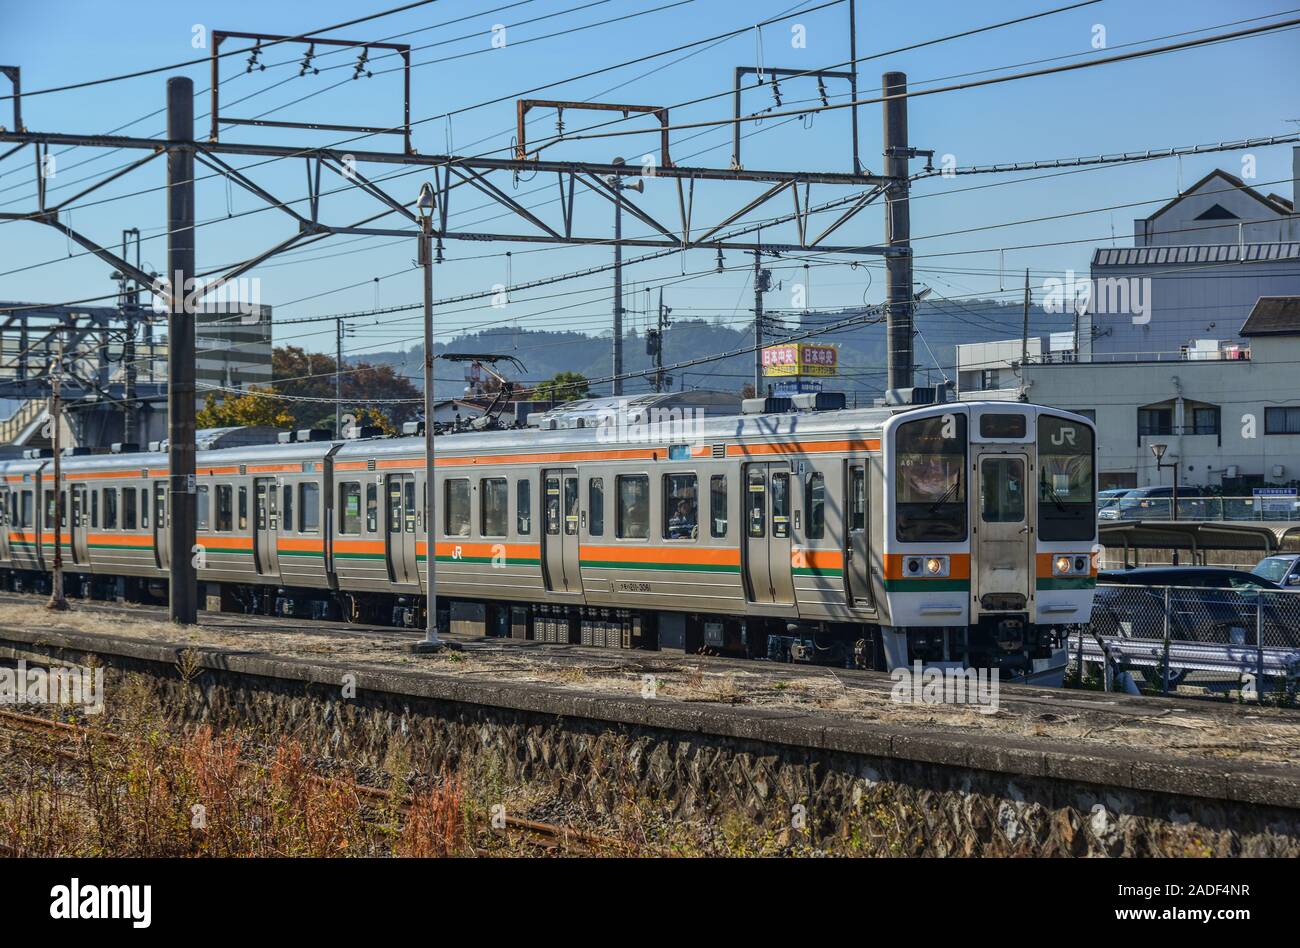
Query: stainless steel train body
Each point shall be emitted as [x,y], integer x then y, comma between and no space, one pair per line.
[953,532]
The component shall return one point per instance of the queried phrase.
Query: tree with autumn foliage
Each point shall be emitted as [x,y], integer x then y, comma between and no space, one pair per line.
[365,387]
[255,407]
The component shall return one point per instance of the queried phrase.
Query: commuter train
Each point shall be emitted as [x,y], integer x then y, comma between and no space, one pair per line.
[958,532]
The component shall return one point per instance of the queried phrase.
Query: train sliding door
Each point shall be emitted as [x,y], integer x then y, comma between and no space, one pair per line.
[857,551]
[1004,557]
[266,526]
[560,537]
[74,508]
[399,546]
[768,578]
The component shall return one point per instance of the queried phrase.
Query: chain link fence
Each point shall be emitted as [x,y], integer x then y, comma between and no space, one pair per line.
[1177,637]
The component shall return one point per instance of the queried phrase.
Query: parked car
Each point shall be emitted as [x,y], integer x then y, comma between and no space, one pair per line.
[1156,503]
[1206,604]
[1282,568]
[1108,498]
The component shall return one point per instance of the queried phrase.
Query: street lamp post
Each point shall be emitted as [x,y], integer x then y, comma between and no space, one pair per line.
[1159,451]
[425,205]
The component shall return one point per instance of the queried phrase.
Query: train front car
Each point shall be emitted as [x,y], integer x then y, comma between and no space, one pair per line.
[990,530]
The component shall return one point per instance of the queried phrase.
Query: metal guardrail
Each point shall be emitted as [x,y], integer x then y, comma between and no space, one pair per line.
[1224,632]
[1228,509]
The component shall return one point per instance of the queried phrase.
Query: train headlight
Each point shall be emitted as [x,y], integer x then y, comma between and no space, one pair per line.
[1062,564]
[926,566]
[1071,564]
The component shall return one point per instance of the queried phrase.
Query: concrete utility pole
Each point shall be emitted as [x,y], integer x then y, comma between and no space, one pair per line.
[57,602]
[183,606]
[758,324]
[431,642]
[898,233]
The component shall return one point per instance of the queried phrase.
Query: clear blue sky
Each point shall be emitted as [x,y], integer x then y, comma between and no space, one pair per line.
[1229,91]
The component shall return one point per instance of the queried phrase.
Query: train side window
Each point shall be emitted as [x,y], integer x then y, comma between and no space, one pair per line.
[110,508]
[350,508]
[159,504]
[243,509]
[756,503]
[201,507]
[494,503]
[681,510]
[524,506]
[718,505]
[308,507]
[144,508]
[286,509]
[456,503]
[372,508]
[225,509]
[858,498]
[94,509]
[781,506]
[814,502]
[596,505]
[128,508]
[633,506]
[49,509]
[551,505]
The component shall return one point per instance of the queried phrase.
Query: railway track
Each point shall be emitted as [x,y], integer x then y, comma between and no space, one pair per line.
[549,836]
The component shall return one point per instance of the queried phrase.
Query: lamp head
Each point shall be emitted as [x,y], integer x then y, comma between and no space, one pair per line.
[425,202]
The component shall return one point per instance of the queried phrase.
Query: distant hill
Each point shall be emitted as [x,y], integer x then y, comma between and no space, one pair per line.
[942,323]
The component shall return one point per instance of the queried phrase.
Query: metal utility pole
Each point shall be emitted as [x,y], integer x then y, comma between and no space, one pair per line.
[130,309]
[1024,334]
[180,350]
[615,182]
[758,324]
[338,378]
[57,602]
[657,336]
[431,643]
[898,267]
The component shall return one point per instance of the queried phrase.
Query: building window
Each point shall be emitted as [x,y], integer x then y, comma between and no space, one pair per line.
[1155,421]
[1282,420]
[494,499]
[1203,421]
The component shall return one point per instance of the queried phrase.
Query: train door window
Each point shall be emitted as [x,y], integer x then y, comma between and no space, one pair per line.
[200,505]
[681,507]
[571,506]
[524,506]
[144,508]
[225,520]
[718,505]
[159,505]
[596,505]
[814,502]
[494,503]
[552,505]
[456,503]
[858,498]
[110,508]
[372,508]
[243,509]
[350,508]
[1002,490]
[408,488]
[94,508]
[63,508]
[756,503]
[49,509]
[308,507]
[633,506]
[394,505]
[781,506]
[286,510]
[128,508]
